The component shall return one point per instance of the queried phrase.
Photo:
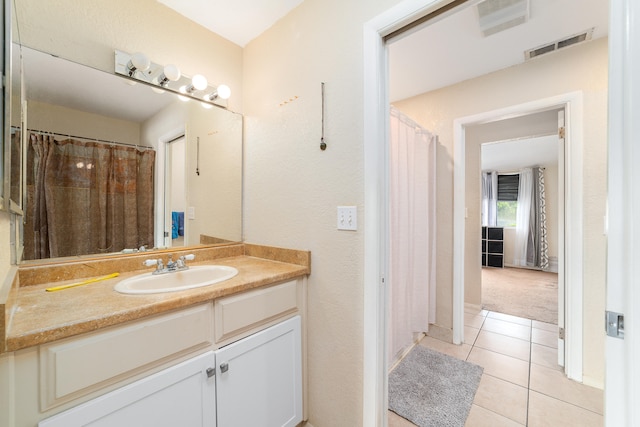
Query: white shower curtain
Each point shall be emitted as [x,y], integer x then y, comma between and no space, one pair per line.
[523,217]
[489,199]
[412,232]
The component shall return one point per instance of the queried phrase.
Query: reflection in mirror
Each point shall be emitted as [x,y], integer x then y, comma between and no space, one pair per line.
[16,142]
[96,164]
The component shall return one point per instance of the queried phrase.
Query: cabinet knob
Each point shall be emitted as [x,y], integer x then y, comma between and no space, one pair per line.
[224,367]
[211,372]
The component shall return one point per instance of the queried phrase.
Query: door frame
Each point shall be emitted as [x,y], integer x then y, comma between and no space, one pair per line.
[571,270]
[622,373]
[376,234]
[376,180]
[159,209]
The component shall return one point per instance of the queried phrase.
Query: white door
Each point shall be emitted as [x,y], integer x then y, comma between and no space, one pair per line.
[182,395]
[622,376]
[259,378]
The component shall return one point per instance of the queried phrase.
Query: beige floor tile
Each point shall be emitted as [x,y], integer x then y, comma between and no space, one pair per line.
[470,335]
[553,383]
[502,397]
[457,351]
[507,328]
[539,336]
[475,312]
[481,417]
[509,318]
[545,326]
[473,320]
[545,411]
[503,344]
[545,356]
[396,420]
[498,365]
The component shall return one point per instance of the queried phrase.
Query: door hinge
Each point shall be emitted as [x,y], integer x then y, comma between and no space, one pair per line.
[561,333]
[614,324]
[561,132]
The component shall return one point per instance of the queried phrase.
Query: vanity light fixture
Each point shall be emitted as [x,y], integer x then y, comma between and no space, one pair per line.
[138,68]
[138,62]
[222,92]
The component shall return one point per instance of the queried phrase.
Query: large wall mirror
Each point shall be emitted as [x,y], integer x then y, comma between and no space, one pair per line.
[112,166]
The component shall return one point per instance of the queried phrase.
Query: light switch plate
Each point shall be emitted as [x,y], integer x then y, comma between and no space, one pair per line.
[191,212]
[347,218]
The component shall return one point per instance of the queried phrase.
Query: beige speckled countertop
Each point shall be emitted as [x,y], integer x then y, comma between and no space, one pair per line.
[36,316]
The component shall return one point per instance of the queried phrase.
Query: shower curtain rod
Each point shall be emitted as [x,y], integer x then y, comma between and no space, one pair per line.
[44,132]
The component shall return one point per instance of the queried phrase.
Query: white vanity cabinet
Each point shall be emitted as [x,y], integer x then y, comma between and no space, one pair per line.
[237,361]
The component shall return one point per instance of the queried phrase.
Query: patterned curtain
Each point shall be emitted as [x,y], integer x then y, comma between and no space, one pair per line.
[538,247]
[87,198]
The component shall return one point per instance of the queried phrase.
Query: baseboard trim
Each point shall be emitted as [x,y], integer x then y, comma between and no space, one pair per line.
[592,382]
[472,308]
[441,333]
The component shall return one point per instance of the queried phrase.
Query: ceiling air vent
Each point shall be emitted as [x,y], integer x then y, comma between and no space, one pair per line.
[498,15]
[558,44]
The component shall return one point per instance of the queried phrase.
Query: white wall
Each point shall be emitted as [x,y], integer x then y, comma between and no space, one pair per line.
[292,188]
[67,121]
[579,68]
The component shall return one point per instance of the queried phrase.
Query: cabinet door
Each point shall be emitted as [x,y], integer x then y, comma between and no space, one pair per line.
[183,395]
[259,378]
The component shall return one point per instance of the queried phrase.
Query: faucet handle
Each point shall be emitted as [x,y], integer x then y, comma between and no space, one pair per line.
[150,262]
[189,257]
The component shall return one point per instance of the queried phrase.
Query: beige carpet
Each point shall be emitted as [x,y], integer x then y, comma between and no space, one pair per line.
[520,292]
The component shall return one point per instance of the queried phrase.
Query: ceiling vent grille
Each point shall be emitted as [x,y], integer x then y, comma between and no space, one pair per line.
[558,44]
[498,15]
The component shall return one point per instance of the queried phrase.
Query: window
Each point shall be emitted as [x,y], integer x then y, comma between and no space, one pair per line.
[507,199]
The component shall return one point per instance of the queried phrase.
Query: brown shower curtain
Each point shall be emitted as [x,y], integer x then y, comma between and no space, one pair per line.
[87,197]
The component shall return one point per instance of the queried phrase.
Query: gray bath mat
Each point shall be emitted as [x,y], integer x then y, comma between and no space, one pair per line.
[432,389]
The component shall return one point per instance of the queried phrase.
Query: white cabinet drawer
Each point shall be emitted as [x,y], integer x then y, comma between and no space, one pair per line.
[249,310]
[77,366]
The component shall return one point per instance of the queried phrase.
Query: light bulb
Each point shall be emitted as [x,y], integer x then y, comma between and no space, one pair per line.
[224,92]
[138,62]
[199,82]
[172,72]
[169,73]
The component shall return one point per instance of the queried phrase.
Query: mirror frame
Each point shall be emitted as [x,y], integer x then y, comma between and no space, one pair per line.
[6,100]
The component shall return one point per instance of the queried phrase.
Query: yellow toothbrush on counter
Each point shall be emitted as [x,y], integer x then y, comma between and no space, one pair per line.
[85,282]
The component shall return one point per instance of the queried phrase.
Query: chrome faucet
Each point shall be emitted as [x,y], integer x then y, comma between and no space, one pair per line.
[171,266]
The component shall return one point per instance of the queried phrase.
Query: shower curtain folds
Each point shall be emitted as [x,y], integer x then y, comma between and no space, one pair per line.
[412,232]
[87,198]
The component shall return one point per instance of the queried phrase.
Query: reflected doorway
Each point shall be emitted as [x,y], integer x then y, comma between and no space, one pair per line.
[175,193]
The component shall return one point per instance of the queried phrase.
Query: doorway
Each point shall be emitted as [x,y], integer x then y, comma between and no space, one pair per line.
[527,285]
[175,193]
[375,166]
[523,284]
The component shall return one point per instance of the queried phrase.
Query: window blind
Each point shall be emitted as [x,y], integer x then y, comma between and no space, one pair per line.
[508,187]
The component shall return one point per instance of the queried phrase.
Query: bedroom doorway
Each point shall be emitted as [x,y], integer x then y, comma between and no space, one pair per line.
[521,284]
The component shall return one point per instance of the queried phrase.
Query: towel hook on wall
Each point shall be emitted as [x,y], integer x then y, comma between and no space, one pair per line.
[323,145]
[198,156]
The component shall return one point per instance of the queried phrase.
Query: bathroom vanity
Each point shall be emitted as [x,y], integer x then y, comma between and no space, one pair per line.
[228,354]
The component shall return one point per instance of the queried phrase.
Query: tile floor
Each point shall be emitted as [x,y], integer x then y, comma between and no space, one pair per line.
[522,385]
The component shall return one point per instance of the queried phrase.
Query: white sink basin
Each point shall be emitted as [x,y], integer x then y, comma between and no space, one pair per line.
[194,277]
